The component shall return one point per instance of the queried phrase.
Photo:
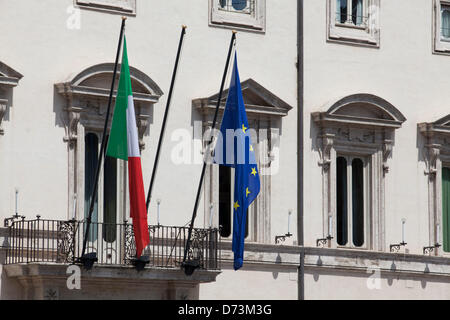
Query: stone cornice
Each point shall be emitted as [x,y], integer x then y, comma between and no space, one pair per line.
[258,102]
[287,259]
[102,272]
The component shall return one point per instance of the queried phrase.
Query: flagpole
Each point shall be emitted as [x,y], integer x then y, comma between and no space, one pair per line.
[166,112]
[189,267]
[89,259]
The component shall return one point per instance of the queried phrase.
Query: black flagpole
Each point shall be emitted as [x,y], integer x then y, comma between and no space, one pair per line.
[88,259]
[190,266]
[163,128]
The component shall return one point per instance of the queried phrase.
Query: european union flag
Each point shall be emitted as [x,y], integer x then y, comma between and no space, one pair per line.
[238,151]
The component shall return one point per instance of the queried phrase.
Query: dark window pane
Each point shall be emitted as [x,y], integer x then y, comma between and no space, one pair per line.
[341,14]
[110,199]
[246,224]
[358,202]
[445,17]
[357,12]
[225,200]
[90,165]
[223,3]
[239,4]
[341,199]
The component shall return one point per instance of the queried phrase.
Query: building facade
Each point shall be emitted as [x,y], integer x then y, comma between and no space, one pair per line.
[348,113]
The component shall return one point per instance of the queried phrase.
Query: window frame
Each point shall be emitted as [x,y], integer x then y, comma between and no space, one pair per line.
[441,45]
[367,34]
[128,7]
[241,21]
[436,152]
[349,157]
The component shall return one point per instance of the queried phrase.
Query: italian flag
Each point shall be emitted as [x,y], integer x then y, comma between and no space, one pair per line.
[124,144]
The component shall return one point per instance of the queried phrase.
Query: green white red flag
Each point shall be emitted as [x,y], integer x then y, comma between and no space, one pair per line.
[124,144]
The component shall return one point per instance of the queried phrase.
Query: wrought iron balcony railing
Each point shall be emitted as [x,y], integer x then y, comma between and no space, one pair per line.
[60,241]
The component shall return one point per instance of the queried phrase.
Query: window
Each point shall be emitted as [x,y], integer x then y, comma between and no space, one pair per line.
[226,192]
[441,26]
[355,140]
[351,199]
[265,112]
[436,142]
[86,97]
[354,21]
[445,26]
[238,14]
[446,209]
[115,6]
[238,6]
[352,14]
[108,212]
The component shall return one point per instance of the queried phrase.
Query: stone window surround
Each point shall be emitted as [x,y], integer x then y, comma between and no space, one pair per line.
[9,78]
[440,46]
[127,7]
[254,22]
[366,35]
[437,155]
[373,138]
[267,117]
[85,112]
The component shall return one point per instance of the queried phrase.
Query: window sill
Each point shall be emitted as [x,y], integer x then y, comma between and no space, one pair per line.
[352,26]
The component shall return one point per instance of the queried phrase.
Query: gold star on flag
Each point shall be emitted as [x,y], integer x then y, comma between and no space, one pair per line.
[236,205]
[244,128]
[253,172]
[247,192]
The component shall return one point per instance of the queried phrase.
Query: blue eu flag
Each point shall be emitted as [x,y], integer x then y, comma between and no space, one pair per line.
[238,152]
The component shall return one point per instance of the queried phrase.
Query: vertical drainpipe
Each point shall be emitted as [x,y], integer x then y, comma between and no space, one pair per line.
[300,118]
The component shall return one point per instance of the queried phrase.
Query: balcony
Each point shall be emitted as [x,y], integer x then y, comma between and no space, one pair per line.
[44,249]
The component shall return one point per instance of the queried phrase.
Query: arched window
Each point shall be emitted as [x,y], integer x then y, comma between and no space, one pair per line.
[265,112]
[356,137]
[86,102]
[436,142]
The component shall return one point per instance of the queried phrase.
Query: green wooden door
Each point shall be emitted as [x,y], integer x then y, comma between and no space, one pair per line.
[446,208]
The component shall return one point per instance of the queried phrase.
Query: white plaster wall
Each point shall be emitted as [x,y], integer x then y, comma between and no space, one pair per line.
[251,285]
[402,71]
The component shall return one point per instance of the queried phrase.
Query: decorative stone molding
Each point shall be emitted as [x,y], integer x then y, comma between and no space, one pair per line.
[387,151]
[366,34]
[115,6]
[86,97]
[364,125]
[254,20]
[9,78]
[325,151]
[264,111]
[437,153]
